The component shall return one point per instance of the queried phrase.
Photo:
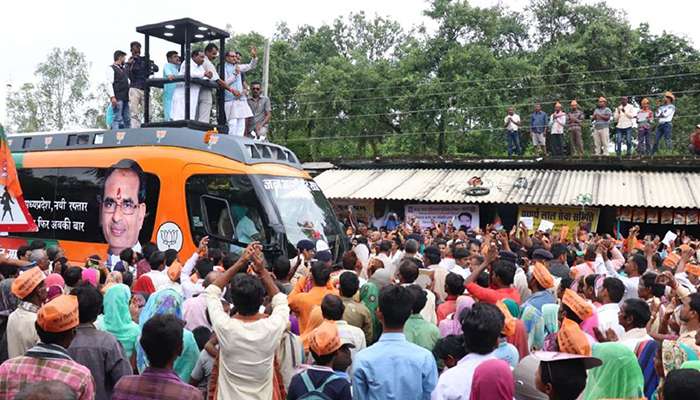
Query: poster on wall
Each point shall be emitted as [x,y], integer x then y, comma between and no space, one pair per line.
[679,217]
[459,215]
[362,209]
[624,215]
[638,215]
[652,216]
[562,216]
[666,216]
[692,217]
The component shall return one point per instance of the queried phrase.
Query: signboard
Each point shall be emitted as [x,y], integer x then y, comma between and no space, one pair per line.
[15,215]
[561,216]
[459,215]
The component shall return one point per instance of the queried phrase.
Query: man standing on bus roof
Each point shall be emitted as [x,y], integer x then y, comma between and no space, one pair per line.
[170,71]
[123,208]
[211,52]
[138,73]
[235,103]
[118,91]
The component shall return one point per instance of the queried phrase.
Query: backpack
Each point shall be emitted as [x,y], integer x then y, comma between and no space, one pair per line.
[315,393]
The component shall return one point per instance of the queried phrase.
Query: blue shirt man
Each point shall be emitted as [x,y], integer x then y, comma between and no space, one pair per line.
[538,121]
[538,299]
[393,368]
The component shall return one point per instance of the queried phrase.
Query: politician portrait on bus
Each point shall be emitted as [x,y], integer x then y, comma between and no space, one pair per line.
[123,206]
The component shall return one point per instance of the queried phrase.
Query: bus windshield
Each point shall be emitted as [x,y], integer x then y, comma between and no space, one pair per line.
[302,208]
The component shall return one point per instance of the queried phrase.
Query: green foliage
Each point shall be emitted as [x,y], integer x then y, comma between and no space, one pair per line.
[365,86]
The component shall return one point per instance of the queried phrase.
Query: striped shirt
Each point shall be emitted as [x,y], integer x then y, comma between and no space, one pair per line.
[155,384]
[45,362]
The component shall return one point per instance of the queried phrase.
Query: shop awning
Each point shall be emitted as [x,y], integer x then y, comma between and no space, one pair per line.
[518,186]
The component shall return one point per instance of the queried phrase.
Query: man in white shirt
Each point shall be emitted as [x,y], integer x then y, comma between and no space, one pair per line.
[158,274]
[196,71]
[482,327]
[634,316]
[512,124]
[248,340]
[610,295]
[664,115]
[635,267]
[625,116]
[408,274]
[203,267]
[558,121]
[461,267]
[204,100]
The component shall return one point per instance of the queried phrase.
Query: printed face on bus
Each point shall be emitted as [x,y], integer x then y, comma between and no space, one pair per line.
[121,213]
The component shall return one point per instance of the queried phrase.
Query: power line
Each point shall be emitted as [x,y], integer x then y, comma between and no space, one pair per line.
[648,66]
[413,95]
[455,108]
[392,134]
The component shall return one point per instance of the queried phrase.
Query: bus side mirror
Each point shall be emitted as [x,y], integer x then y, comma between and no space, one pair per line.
[218,221]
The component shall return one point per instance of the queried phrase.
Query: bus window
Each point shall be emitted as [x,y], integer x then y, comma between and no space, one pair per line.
[65,202]
[207,196]
[216,213]
[303,210]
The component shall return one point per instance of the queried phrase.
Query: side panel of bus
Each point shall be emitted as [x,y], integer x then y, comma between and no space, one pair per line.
[63,188]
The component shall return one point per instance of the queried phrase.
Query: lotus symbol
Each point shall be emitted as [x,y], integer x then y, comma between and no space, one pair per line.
[169,237]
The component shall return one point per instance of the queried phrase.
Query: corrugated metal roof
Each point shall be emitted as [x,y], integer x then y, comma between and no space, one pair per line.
[542,187]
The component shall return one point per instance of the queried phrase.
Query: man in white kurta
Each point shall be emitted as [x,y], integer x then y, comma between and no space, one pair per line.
[196,71]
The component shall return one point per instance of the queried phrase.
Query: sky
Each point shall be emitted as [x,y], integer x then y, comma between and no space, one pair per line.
[29,29]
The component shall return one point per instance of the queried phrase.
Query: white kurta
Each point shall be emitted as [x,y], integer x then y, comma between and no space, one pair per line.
[178,106]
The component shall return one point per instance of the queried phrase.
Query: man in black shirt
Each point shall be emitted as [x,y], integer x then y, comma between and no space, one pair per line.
[138,73]
[118,90]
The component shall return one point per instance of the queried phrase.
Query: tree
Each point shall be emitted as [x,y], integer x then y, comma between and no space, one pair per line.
[59,98]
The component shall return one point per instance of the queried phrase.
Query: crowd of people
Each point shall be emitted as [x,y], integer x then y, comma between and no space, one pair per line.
[247,111]
[626,120]
[406,313]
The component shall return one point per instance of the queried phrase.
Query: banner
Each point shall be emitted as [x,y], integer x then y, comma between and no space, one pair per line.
[15,215]
[459,215]
[363,210]
[561,216]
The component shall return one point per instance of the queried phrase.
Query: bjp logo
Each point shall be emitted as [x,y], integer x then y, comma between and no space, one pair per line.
[120,135]
[169,237]
[160,134]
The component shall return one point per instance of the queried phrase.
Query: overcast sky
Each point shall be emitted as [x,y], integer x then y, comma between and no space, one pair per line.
[30,28]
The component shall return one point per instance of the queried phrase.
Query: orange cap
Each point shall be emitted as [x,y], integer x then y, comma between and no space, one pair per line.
[692,269]
[671,260]
[542,275]
[325,339]
[571,339]
[509,325]
[27,281]
[574,103]
[174,271]
[645,101]
[59,314]
[577,304]
[670,95]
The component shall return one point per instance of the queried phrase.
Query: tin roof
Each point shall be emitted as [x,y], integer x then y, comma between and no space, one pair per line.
[518,186]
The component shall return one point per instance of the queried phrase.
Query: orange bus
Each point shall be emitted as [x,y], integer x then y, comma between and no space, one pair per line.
[99,192]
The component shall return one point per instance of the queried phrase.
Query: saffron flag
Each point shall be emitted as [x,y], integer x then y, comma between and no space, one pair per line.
[15,215]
